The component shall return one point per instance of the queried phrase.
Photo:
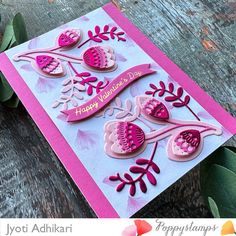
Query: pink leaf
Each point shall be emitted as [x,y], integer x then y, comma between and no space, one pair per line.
[118,102]
[180,91]
[137,169]
[142,161]
[120,187]
[155,168]
[128,177]
[84,74]
[97,29]
[151,178]
[171,98]
[113,178]
[128,105]
[132,190]
[153,86]
[149,93]
[104,37]
[187,99]
[171,87]
[162,85]
[55,104]
[106,28]
[90,90]
[178,104]
[90,34]
[143,186]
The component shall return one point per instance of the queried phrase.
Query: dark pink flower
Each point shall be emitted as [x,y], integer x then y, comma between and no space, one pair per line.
[49,65]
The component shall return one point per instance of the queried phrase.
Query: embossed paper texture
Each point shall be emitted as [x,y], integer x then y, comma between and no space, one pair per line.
[144,138]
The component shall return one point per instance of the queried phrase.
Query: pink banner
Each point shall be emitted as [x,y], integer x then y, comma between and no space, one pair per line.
[110,92]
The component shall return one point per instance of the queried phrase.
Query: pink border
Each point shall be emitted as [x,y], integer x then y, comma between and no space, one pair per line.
[228,121]
[75,168]
[73,165]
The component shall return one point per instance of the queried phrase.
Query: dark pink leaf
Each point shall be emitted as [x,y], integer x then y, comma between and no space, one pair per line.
[84,74]
[90,90]
[137,169]
[104,37]
[113,178]
[151,178]
[98,40]
[178,104]
[142,161]
[97,29]
[120,187]
[99,86]
[155,168]
[171,98]
[90,34]
[106,28]
[114,29]
[132,190]
[161,93]
[148,92]
[128,177]
[162,85]
[180,91]
[143,186]
[153,86]
[171,87]
[186,100]
[91,79]
[121,33]
[122,39]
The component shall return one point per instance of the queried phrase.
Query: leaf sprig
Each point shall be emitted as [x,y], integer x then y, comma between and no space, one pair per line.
[98,36]
[142,169]
[15,34]
[174,95]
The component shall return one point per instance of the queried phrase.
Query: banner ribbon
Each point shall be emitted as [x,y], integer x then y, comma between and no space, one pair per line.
[107,94]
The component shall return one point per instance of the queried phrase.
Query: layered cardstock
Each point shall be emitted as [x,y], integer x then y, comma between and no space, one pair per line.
[124,120]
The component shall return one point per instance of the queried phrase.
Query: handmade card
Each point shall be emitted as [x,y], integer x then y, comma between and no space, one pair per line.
[123,119]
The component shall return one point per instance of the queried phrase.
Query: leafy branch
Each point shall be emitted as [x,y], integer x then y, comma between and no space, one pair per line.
[88,81]
[178,99]
[98,36]
[142,169]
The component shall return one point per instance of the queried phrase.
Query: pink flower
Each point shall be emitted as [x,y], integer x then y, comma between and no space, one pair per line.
[130,231]
[69,38]
[44,85]
[99,58]
[49,65]
[86,139]
[123,139]
[153,109]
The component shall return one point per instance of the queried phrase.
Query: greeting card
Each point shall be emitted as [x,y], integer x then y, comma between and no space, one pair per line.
[123,119]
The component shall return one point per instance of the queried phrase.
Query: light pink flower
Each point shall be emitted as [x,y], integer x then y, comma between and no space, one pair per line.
[86,139]
[130,231]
